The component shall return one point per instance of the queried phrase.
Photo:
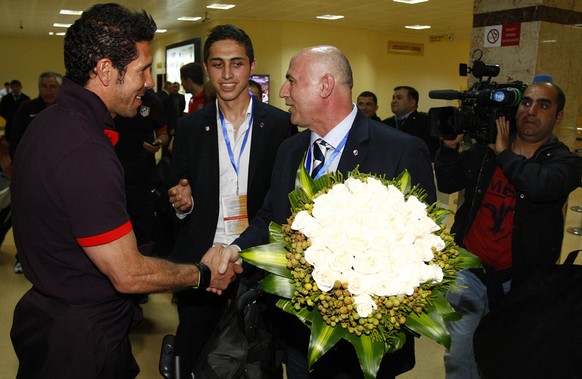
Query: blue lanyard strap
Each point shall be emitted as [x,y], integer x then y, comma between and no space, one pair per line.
[236,165]
[328,161]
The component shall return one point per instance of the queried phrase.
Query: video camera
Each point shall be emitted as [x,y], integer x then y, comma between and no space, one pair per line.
[480,106]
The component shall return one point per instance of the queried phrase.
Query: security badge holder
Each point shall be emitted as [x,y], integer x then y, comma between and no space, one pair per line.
[236,218]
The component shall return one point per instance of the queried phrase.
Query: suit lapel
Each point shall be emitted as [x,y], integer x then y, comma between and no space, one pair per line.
[258,140]
[357,147]
[210,136]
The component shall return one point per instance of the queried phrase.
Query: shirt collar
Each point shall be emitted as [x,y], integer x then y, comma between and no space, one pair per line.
[405,117]
[335,136]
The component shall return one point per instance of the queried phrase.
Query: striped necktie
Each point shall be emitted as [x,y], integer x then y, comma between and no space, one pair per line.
[319,150]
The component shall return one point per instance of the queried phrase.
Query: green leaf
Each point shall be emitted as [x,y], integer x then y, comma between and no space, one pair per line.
[323,337]
[271,258]
[303,180]
[404,182]
[276,233]
[430,324]
[369,351]
[304,315]
[438,214]
[278,285]
[469,260]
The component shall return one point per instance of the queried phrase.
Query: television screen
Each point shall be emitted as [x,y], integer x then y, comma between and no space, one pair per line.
[263,80]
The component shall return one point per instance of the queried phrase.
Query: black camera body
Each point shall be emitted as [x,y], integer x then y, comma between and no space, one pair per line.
[480,106]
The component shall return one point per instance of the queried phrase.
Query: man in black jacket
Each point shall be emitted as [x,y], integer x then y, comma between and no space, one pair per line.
[9,105]
[512,216]
[48,90]
[408,119]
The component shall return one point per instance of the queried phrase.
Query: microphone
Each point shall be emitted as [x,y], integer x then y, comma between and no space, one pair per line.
[444,94]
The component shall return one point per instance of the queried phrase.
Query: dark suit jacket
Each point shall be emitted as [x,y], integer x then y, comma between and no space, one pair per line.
[169,111]
[378,150]
[26,112]
[418,124]
[195,157]
[8,108]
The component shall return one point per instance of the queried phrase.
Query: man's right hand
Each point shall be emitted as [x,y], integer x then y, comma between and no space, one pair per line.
[225,264]
[181,196]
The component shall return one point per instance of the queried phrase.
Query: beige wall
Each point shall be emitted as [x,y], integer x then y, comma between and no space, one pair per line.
[275,43]
[25,59]
[374,69]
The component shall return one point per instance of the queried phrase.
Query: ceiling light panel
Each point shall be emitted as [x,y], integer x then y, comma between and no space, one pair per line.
[220,6]
[330,17]
[417,27]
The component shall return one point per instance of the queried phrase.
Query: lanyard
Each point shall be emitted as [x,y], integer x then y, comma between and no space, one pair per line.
[328,161]
[236,165]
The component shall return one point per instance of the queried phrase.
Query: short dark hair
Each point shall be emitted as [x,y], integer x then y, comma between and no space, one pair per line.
[15,83]
[105,31]
[369,94]
[226,32]
[193,71]
[253,83]
[412,93]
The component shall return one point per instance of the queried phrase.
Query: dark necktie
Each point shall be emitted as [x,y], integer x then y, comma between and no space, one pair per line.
[400,123]
[319,149]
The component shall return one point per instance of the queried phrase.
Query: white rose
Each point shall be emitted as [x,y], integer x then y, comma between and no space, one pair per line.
[428,242]
[367,263]
[357,243]
[405,254]
[318,255]
[415,205]
[364,305]
[430,273]
[422,225]
[341,259]
[334,236]
[325,278]
[394,195]
[407,280]
[306,224]
[357,283]
[355,185]
[384,285]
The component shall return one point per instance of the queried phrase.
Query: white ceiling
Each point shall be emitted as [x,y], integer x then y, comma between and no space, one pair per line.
[35,18]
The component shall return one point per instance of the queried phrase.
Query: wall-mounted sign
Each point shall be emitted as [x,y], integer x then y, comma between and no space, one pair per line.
[502,35]
[408,48]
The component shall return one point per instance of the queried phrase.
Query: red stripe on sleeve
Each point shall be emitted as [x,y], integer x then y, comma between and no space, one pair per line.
[106,237]
[162,129]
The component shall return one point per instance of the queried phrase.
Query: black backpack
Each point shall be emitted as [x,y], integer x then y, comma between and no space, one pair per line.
[536,330]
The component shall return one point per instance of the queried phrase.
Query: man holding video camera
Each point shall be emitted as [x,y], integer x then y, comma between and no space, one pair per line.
[512,215]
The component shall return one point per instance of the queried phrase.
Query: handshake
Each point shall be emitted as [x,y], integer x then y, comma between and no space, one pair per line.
[224,264]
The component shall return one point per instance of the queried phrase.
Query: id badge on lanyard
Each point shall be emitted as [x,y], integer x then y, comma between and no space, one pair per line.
[236,218]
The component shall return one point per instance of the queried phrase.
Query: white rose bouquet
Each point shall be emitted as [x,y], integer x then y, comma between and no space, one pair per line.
[363,259]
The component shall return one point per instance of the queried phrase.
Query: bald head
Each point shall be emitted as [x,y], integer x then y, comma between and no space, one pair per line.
[318,89]
[330,59]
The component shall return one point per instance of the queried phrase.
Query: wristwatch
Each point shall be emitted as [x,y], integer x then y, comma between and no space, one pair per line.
[204,275]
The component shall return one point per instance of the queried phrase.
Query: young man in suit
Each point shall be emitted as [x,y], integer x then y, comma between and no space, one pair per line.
[222,162]
[318,91]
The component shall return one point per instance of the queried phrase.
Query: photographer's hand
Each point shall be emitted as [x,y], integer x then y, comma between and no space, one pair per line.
[502,140]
